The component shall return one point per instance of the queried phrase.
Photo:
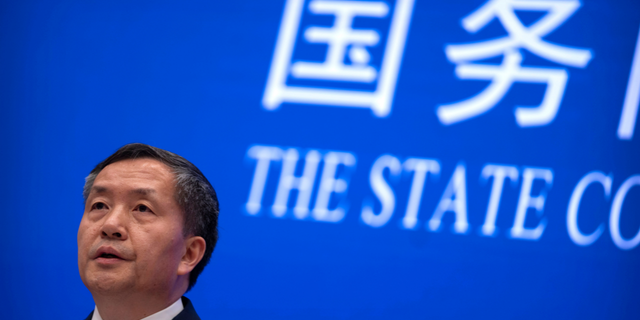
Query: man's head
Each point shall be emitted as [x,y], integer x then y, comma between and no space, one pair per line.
[149,225]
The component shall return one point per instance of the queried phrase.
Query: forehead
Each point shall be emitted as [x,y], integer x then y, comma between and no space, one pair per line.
[137,173]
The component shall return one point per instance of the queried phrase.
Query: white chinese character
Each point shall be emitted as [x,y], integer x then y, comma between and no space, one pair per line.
[631,98]
[342,41]
[504,75]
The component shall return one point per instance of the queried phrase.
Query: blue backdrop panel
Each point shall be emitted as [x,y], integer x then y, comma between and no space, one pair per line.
[373,159]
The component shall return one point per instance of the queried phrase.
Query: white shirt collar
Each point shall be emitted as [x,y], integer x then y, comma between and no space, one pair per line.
[166,314]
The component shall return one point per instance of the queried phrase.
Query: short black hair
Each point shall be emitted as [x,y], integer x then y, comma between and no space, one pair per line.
[194,195]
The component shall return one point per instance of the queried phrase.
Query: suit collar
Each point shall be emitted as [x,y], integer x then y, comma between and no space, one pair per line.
[188,313]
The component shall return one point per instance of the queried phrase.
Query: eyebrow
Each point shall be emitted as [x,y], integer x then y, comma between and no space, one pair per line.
[141,191]
[99,189]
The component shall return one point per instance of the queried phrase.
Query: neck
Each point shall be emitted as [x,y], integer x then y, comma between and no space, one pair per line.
[134,305]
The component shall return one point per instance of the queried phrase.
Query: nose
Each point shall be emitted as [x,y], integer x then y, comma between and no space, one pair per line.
[115,224]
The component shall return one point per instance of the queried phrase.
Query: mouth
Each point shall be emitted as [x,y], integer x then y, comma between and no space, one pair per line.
[109,260]
[108,255]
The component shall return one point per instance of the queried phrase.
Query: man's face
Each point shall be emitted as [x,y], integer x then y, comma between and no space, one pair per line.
[131,234]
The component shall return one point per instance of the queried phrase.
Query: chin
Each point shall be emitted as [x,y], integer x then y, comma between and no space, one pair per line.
[105,284]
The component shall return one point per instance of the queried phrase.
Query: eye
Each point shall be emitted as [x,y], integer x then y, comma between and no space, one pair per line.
[143,208]
[98,206]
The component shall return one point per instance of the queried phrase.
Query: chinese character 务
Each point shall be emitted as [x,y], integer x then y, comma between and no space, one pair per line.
[510,70]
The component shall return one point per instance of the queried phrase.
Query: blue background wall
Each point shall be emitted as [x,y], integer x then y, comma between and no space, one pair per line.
[79,79]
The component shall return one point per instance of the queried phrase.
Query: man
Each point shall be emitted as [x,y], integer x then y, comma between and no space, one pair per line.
[148,230]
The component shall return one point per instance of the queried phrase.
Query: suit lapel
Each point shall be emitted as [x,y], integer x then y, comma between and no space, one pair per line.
[189,313]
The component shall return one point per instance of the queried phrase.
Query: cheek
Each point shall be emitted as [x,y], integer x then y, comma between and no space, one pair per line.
[82,231]
[172,249]
[82,248]
[176,242]
[158,247]
[86,237]
[164,252]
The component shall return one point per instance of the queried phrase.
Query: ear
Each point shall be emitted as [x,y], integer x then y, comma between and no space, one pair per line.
[195,247]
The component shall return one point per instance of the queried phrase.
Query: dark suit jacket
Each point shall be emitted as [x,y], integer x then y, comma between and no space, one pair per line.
[189,313]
